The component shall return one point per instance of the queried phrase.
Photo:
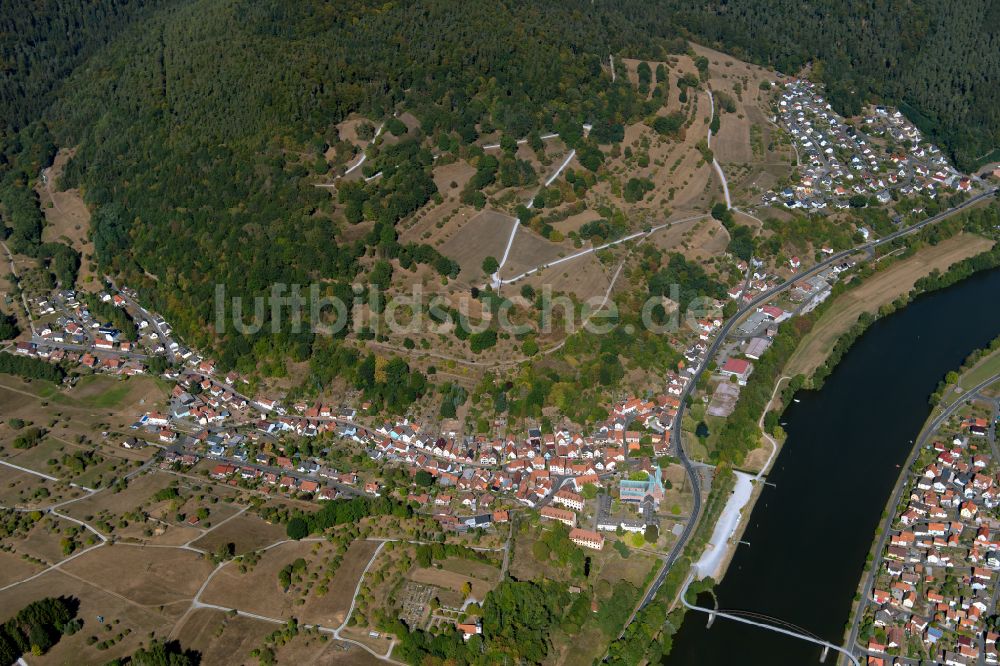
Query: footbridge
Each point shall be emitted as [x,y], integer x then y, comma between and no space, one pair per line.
[770,624]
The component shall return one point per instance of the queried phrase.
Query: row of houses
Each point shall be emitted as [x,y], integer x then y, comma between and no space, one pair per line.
[938,573]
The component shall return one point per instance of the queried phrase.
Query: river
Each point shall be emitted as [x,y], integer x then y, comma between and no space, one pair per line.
[810,533]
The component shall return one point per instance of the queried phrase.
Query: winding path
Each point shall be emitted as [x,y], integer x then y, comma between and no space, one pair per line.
[715,162]
[495,278]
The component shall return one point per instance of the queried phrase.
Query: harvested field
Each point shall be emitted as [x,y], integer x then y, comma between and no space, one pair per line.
[882,288]
[247,532]
[146,576]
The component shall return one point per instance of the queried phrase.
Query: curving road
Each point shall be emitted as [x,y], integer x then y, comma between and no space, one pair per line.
[713,349]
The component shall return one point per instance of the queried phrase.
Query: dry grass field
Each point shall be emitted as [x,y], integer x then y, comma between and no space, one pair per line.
[315,651]
[696,239]
[449,579]
[14,568]
[222,640]
[749,169]
[121,615]
[25,490]
[878,290]
[246,532]
[530,250]
[482,236]
[436,223]
[348,130]
[43,540]
[96,403]
[67,217]
[259,591]
[146,576]
[140,490]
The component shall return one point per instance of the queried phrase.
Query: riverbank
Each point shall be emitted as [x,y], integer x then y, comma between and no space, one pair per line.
[985,372]
[878,294]
[833,479]
[879,290]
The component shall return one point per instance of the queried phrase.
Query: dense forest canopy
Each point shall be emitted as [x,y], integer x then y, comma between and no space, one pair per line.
[198,132]
[939,61]
[42,41]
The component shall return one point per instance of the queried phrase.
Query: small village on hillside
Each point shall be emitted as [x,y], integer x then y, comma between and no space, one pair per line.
[841,165]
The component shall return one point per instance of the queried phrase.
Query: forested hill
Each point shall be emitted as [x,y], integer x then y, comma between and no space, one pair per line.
[202,124]
[200,129]
[43,40]
[939,61]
